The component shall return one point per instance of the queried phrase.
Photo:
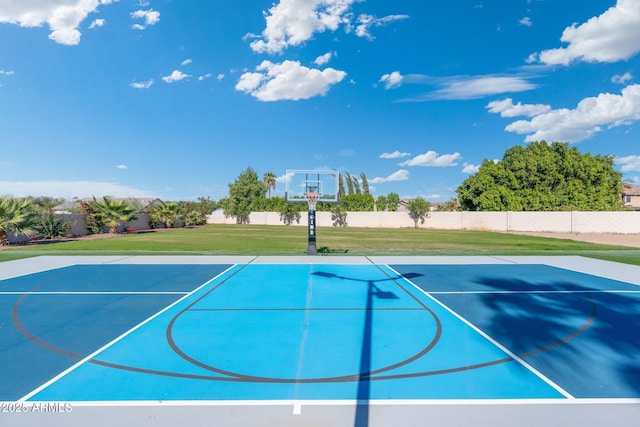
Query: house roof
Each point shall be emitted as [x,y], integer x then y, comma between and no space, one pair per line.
[631,191]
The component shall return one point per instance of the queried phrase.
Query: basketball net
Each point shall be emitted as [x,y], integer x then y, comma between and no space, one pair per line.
[312,199]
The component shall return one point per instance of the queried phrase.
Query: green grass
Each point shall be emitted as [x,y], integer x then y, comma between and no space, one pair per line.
[283,240]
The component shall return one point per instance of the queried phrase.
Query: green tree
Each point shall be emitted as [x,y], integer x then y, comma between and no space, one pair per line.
[206,205]
[273,204]
[418,210]
[451,205]
[269,181]
[113,213]
[382,204]
[46,202]
[358,202]
[492,189]
[543,177]
[16,216]
[242,192]
[394,201]
[290,212]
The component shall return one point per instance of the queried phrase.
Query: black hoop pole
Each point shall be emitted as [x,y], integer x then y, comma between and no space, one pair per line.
[311,227]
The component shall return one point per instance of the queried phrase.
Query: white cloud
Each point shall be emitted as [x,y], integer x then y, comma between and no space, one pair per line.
[470,169]
[506,108]
[526,21]
[400,175]
[474,87]
[431,158]
[151,17]
[622,79]
[219,77]
[628,163]
[395,155]
[288,81]
[461,87]
[70,189]
[610,37]
[175,76]
[588,118]
[391,80]
[97,23]
[250,83]
[365,22]
[142,85]
[205,76]
[293,22]
[6,73]
[323,59]
[62,16]
[187,62]
[122,167]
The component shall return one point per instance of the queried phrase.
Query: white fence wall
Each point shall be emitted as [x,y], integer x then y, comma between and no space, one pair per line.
[619,222]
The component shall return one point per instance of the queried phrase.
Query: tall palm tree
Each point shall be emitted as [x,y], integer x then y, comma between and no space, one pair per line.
[113,212]
[365,183]
[269,181]
[16,216]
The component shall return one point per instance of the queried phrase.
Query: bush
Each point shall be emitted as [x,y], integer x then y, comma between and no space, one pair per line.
[92,218]
[48,226]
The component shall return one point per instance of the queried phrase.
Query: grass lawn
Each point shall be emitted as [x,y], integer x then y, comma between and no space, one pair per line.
[292,240]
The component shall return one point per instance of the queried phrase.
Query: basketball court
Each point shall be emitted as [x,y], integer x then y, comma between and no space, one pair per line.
[327,341]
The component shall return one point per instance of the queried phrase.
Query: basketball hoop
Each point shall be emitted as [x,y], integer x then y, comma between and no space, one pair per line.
[312,199]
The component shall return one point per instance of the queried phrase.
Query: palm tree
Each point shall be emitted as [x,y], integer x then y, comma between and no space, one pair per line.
[167,213]
[365,183]
[269,181]
[16,216]
[113,213]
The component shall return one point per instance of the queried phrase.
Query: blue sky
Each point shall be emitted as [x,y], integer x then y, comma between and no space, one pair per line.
[174,99]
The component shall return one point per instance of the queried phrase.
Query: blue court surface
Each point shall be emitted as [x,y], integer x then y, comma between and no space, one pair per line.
[319,340]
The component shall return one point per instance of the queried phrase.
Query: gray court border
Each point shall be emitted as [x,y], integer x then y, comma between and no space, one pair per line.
[449,413]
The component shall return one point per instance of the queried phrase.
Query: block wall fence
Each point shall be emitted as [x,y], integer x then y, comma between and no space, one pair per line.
[618,222]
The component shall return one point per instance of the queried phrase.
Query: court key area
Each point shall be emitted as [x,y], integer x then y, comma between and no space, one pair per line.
[319,341]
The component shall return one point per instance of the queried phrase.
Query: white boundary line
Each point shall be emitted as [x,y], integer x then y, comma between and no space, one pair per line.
[93,293]
[373,402]
[604,269]
[590,291]
[130,331]
[490,339]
